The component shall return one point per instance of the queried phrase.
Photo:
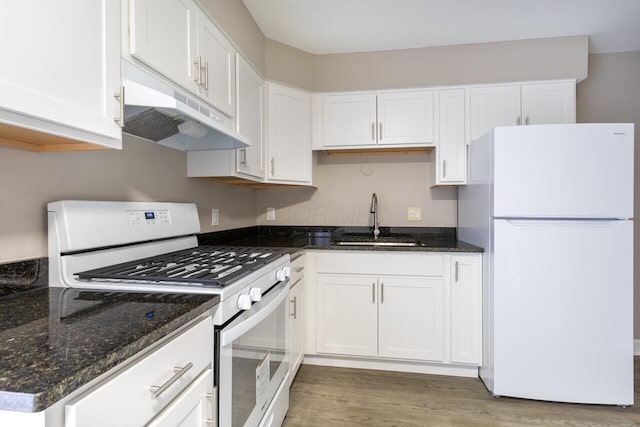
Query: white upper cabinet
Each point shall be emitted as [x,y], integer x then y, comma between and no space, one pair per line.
[175,38]
[249,119]
[289,155]
[548,103]
[217,65]
[451,155]
[59,74]
[526,104]
[369,120]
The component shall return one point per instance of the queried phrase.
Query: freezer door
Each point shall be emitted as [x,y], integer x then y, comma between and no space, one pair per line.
[564,171]
[563,310]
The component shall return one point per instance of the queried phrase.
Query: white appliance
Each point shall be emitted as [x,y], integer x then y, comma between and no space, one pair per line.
[553,206]
[153,247]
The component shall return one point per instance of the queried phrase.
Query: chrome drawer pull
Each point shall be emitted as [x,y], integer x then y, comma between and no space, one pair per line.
[156,391]
[299,269]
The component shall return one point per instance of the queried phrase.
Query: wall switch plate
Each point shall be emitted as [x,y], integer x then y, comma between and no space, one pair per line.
[271,214]
[215,217]
[414,214]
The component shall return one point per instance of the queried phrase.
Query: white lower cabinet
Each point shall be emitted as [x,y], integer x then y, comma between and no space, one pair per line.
[366,308]
[296,317]
[169,386]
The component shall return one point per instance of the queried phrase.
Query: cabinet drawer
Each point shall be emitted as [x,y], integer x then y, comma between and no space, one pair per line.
[297,270]
[398,263]
[126,398]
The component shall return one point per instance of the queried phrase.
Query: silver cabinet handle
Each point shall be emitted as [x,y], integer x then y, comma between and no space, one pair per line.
[444,168]
[156,391]
[373,292]
[214,400]
[380,132]
[382,293]
[299,269]
[198,65]
[206,75]
[456,271]
[294,301]
[526,120]
[244,156]
[273,166]
[518,121]
[373,131]
[120,97]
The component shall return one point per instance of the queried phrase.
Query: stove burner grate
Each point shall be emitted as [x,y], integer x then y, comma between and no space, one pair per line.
[210,266]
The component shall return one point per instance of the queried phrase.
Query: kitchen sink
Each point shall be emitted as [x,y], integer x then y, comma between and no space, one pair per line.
[382,242]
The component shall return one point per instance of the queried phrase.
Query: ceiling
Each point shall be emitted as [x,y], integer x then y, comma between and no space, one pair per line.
[338,26]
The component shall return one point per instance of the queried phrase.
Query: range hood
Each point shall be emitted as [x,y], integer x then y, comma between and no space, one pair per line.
[161,113]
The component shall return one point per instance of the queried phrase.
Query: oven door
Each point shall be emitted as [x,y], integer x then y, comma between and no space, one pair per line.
[253,359]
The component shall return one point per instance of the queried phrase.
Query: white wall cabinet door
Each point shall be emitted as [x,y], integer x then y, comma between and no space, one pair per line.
[192,408]
[218,66]
[347,315]
[549,103]
[405,118]
[296,324]
[59,73]
[451,153]
[163,35]
[411,323]
[349,120]
[249,119]
[491,106]
[466,309]
[288,135]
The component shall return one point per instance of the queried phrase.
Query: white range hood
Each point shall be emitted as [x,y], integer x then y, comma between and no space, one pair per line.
[161,113]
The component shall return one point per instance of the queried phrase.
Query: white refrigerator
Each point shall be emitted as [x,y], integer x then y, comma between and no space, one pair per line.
[552,206]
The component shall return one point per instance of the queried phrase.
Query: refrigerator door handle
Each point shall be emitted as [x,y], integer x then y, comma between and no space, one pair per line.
[542,222]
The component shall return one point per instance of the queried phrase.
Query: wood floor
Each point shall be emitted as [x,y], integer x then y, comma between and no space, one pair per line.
[323,396]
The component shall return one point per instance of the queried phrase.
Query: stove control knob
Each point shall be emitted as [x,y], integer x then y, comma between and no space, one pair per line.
[255,294]
[287,272]
[244,302]
[281,275]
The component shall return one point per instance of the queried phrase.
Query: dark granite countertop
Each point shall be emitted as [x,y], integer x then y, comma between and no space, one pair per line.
[54,340]
[432,239]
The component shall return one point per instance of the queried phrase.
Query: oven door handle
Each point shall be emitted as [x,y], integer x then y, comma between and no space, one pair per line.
[255,315]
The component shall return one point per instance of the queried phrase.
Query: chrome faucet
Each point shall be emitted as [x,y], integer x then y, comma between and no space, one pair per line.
[374,211]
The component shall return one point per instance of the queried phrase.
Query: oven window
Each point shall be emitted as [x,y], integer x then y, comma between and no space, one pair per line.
[259,362]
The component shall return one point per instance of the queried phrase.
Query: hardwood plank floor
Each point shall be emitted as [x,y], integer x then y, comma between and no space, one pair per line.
[324,396]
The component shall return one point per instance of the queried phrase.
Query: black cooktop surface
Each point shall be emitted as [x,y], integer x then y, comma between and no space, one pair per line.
[211,266]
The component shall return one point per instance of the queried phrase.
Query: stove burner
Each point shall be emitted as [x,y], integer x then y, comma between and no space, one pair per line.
[211,266]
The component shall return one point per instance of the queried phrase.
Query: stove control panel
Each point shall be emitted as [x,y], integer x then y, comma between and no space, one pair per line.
[137,218]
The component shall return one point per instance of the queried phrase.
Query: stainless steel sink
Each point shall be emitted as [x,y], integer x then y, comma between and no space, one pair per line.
[382,243]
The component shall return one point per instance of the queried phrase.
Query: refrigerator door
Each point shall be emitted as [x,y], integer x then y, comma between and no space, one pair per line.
[564,171]
[563,295]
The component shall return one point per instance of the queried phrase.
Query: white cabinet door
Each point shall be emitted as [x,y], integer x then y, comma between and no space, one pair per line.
[466,309]
[296,324]
[349,120]
[288,135]
[491,106]
[163,34]
[411,318]
[347,315]
[451,151]
[192,408]
[249,119]
[60,72]
[218,66]
[549,103]
[405,118]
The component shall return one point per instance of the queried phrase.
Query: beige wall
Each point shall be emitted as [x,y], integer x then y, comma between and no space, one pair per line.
[344,188]
[612,94]
[552,58]
[142,171]
[289,65]
[235,20]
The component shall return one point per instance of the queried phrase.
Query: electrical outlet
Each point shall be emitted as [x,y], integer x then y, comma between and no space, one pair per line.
[414,214]
[215,217]
[271,214]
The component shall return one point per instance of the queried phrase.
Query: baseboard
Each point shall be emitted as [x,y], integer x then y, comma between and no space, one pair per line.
[392,365]
[636,347]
